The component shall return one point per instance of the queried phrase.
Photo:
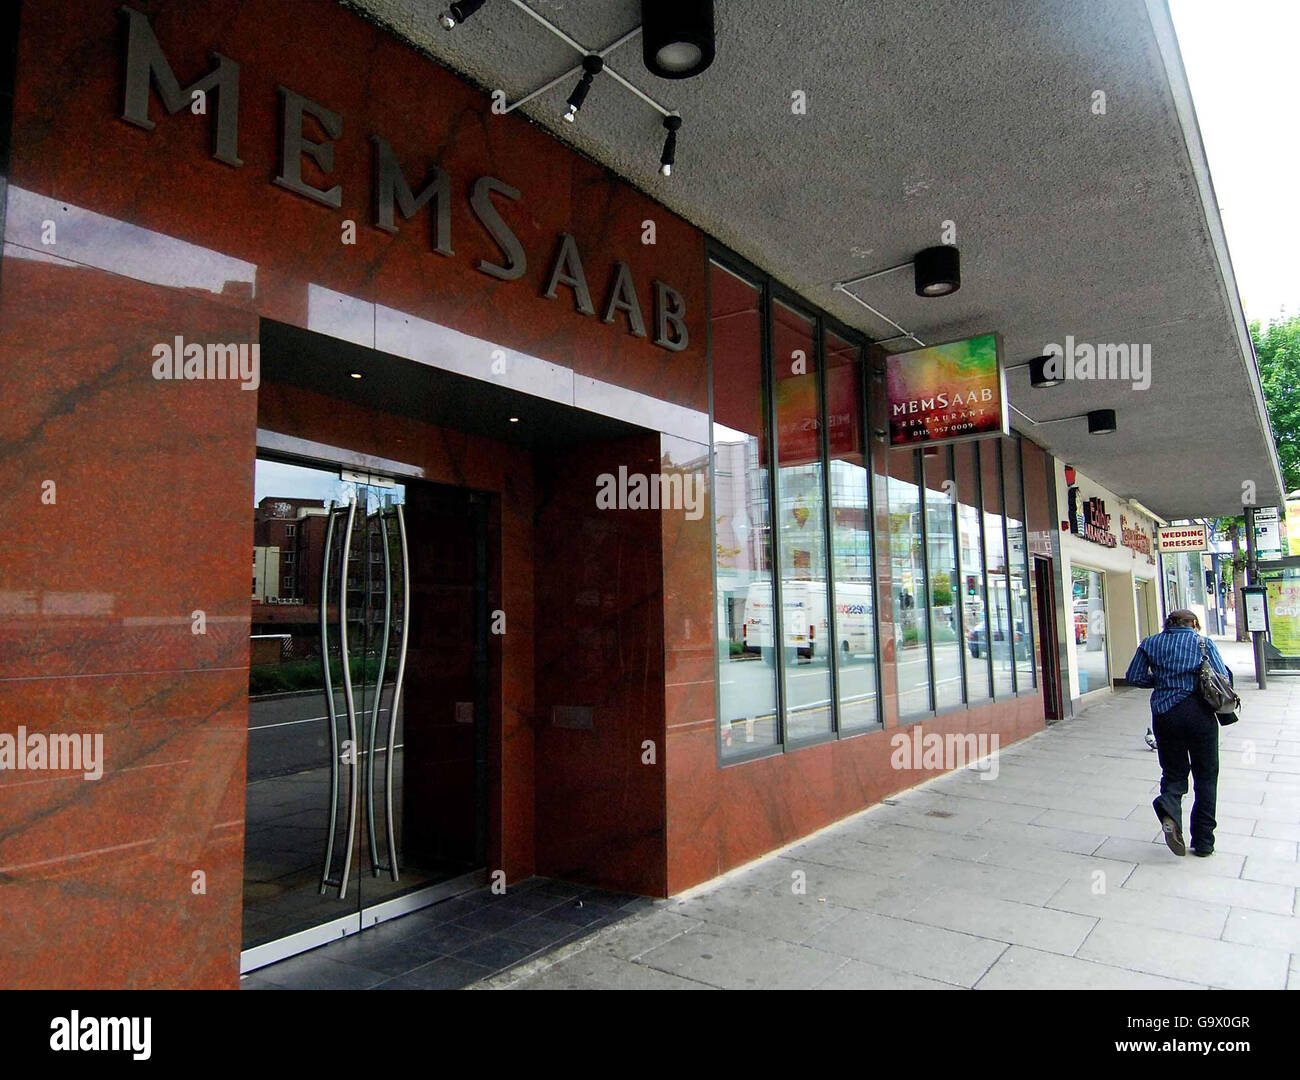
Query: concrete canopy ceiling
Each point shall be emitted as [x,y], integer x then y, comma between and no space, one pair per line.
[1102,227]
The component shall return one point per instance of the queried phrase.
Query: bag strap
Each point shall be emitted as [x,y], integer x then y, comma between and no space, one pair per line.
[1205,652]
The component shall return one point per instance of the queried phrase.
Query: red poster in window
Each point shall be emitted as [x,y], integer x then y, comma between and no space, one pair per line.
[798,430]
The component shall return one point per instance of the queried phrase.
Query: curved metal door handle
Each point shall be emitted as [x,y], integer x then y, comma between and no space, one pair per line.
[397,690]
[375,864]
[331,513]
[348,702]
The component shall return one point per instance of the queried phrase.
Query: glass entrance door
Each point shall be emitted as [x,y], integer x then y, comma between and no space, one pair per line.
[345,826]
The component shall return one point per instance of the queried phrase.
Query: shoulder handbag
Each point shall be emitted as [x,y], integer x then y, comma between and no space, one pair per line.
[1215,690]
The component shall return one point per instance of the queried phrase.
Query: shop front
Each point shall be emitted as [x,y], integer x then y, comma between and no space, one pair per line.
[561,562]
[1111,577]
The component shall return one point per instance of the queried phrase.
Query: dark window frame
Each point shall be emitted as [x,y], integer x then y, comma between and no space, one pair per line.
[771,291]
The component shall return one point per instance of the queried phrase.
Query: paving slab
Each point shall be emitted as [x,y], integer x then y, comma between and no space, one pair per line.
[911,948]
[1028,969]
[1222,964]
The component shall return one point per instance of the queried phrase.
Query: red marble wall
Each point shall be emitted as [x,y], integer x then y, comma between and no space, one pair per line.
[148,522]
[600,645]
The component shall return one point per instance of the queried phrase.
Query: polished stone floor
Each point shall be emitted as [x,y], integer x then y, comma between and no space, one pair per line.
[454,943]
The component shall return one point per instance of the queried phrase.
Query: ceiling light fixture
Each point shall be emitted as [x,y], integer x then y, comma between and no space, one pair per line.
[514,419]
[669,156]
[1039,376]
[1100,422]
[592,65]
[355,374]
[677,37]
[937,271]
[458,12]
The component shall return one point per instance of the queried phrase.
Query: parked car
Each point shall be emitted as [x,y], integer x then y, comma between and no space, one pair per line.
[977,643]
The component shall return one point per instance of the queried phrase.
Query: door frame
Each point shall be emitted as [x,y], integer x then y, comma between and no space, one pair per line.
[347,925]
[1049,662]
[275,446]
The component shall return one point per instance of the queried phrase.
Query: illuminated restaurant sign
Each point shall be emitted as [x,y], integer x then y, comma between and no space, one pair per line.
[946,393]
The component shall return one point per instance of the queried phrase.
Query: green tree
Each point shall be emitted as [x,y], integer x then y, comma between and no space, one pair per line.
[1278,349]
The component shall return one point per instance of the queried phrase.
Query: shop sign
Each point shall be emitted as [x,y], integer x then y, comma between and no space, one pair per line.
[1089,520]
[947,393]
[1136,538]
[1173,538]
[147,69]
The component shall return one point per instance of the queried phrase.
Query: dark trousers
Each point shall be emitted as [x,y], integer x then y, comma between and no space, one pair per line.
[1187,737]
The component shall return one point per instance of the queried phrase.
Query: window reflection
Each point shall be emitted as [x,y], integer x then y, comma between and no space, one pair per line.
[970,536]
[1000,631]
[908,583]
[746,684]
[1021,606]
[800,526]
[1089,593]
[940,506]
[854,638]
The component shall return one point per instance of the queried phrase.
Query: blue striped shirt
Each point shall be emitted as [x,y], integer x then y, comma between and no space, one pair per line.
[1168,662]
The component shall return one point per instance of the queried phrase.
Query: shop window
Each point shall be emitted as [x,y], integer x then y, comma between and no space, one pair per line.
[1089,601]
[941,572]
[854,614]
[970,559]
[746,645]
[800,526]
[1018,567]
[908,583]
[1000,622]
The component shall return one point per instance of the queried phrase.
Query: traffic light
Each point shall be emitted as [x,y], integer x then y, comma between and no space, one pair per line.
[971,587]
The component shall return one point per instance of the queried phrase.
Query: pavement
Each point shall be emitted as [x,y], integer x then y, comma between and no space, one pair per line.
[1053,874]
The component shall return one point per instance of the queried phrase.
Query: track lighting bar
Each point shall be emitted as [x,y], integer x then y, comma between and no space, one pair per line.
[575,70]
[458,12]
[839,287]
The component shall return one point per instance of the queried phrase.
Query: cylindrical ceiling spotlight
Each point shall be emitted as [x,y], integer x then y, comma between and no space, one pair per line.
[1039,377]
[458,12]
[1102,422]
[592,65]
[669,156]
[938,271]
[677,37]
